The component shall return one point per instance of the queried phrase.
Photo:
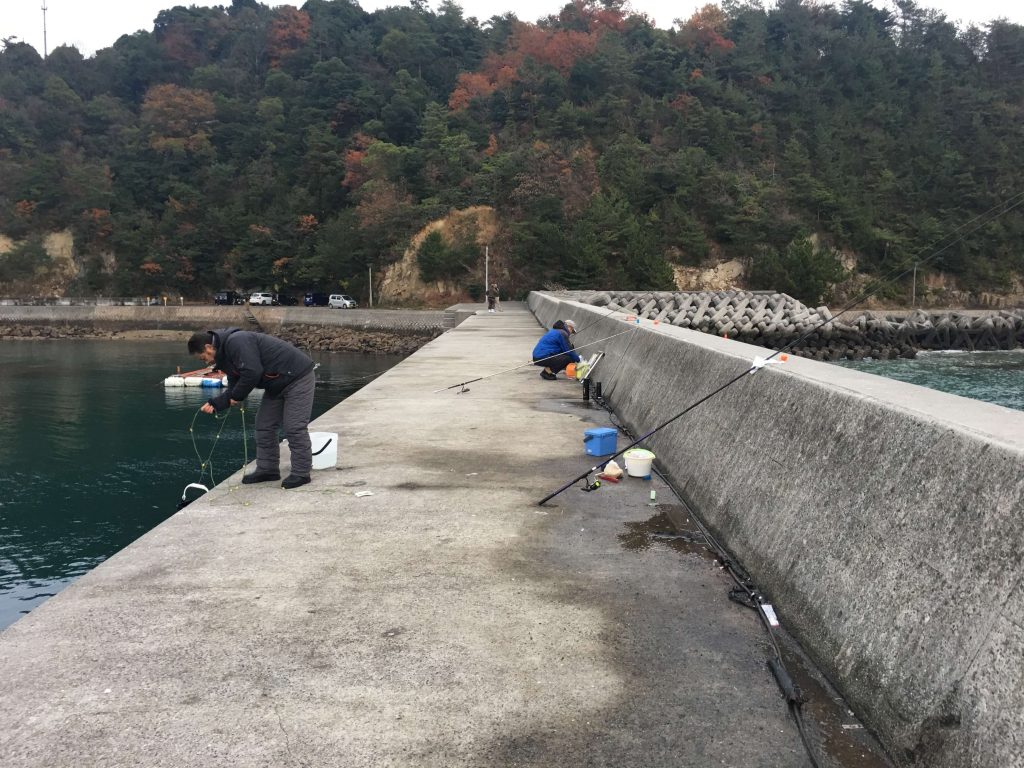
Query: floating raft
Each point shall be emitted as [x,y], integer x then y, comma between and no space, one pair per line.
[204,377]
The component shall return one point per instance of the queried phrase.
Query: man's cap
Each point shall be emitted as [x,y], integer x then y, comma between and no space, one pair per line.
[570,326]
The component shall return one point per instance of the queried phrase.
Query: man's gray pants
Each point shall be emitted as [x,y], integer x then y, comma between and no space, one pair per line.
[289,412]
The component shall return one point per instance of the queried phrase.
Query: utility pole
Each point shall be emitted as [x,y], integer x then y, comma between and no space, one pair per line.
[44,31]
[370,268]
[913,291]
[487,270]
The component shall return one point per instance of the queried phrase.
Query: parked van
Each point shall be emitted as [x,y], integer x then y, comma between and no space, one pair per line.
[341,301]
[265,299]
[228,297]
[314,299]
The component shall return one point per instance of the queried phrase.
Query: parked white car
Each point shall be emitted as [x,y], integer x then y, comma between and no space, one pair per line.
[266,299]
[341,301]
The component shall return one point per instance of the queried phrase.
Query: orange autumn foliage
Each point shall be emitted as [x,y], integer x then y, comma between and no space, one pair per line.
[24,208]
[382,204]
[99,219]
[356,173]
[596,16]
[706,31]
[557,48]
[177,117]
[288,32]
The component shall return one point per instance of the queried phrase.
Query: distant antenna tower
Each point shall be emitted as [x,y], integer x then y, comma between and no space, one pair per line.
[44,30]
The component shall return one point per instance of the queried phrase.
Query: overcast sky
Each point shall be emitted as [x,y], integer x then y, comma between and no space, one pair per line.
[94,24]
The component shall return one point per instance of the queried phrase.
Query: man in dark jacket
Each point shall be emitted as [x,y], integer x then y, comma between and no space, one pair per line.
[554,350]
[285,374]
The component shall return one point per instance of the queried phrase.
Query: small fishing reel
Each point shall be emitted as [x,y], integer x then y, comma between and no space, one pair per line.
[588,487]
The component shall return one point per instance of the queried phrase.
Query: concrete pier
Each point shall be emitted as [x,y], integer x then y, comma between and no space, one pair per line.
[444,620]
[883,518]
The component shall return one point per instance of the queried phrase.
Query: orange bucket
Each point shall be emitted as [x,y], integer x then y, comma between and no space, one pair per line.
[570,370]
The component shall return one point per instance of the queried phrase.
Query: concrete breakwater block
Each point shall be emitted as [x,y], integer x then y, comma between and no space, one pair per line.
[776,320]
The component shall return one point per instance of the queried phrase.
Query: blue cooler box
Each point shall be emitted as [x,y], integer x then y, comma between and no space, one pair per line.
[600,441]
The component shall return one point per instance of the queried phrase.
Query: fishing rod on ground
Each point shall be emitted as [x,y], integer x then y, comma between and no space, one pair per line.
[976,223]
[532,362]
[539,360]
[746,594]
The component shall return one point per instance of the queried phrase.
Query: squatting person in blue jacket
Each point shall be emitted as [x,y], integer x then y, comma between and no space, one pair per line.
[554,351]
[285,374]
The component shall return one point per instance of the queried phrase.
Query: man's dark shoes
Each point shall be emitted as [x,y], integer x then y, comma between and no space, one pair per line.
[294,481]
[260,477]
[548,375]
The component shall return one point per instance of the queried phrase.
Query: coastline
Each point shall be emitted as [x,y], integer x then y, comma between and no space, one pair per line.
[318,338]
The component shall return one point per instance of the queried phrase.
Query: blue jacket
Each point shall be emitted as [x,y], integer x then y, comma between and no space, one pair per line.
[552,343]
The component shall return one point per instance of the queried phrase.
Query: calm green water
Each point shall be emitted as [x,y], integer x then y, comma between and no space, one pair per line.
[996,377]
[94,451]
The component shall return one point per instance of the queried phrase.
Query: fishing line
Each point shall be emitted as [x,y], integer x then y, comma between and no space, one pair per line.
[906,270]
[206,465]
[533,362]
[1006,207]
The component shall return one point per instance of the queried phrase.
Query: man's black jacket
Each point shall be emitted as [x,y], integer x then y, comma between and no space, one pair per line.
[255,361]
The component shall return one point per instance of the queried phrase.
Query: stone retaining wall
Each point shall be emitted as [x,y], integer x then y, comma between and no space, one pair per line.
[883,519]
[427,322]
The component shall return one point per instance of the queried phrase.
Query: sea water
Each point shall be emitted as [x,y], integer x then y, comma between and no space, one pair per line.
[94,451]
[996,377]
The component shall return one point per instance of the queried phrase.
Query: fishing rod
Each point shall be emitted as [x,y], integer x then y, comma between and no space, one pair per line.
[760,363]
[539,360]
[532,362]
[746,594]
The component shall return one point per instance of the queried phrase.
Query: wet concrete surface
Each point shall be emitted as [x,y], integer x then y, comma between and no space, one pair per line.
[445,619]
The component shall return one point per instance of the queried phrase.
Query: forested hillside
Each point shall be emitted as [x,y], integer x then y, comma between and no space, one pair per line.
[293,148]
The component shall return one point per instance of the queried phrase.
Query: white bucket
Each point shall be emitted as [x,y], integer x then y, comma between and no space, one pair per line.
[638,462]
[325,449]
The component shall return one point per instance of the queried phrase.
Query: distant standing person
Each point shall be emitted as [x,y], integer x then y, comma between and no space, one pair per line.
[554,350]
[285,374]
[497,296]
[492,297]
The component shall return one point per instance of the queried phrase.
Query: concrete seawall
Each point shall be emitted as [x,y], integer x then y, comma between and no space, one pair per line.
[191,317]
[883,519]
[442,619]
